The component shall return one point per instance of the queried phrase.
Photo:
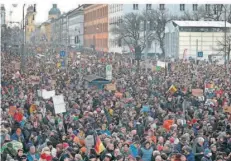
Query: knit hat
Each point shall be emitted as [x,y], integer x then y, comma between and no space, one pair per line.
[207,151]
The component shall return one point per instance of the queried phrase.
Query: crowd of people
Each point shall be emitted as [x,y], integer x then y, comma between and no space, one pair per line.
[147,122]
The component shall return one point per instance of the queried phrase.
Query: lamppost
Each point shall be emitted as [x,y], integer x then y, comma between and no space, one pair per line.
[23,40]
[225,35]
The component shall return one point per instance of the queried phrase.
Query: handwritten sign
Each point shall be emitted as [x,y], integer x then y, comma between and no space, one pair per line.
[197,92]
[227,109]
[111,87]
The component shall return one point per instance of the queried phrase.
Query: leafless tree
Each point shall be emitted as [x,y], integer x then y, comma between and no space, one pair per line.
[214,12]
[130,30]
[158,20]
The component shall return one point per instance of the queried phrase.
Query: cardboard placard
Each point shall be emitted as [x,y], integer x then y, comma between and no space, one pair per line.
[48,94]
[59,104]
[227,109]
[119,95]
[111,87]
[12,110]
[197,92]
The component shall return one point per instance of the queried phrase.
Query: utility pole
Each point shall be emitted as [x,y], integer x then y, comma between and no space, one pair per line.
[23,41]
[196,55]
[146,43]
[226,55]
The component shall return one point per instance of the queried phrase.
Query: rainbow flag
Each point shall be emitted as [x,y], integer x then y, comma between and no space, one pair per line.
[172,89]
[99,147]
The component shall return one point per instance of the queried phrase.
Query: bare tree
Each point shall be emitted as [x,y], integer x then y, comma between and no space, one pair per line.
[158,20]
[130,30]
[214,12]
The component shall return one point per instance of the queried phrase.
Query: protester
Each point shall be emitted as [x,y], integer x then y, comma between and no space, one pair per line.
[182,113]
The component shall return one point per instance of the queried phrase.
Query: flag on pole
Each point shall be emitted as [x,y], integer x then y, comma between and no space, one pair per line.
[99,147]
[172,89]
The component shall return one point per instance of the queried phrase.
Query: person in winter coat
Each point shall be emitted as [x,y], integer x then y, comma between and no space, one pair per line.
[146,152]
[134,149]
[20,156]
[18,136]
[187,151]
[33,156]
[207,155]
[199,151]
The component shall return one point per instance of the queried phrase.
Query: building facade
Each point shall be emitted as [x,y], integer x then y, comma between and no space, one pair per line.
[30,22]
[96,27]
[54,12]
[185,38]
[117,11]
[75,27]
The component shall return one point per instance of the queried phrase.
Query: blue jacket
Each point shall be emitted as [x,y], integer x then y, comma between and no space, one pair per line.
[190,157]
[16,137]
[146,154]
[106,132]
[30,158]
[134,150]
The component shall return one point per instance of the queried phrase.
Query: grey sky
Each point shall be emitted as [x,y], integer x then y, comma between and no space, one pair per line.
[42,9]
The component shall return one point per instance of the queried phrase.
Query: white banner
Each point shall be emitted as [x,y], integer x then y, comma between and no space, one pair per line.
[109,72]
[160,64]
[59,104]
[47,94]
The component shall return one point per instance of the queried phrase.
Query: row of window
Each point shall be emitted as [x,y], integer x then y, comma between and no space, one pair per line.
[96,28]
[115,20]
[96,14]
[98,43]
[115,8]
[182,7]
[196,29]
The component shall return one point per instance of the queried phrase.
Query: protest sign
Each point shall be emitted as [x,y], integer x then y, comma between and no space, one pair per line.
[59,104]
[109,72]
[12,110]
[118,94]
[48,94]
[34,79]
[39,92]
[227,109]
[111,87]
[197,92]
[160,64]
[145,108]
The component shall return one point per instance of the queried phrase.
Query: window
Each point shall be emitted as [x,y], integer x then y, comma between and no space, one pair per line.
[148,6]
[195,7]
[207,7]
[162,6]
[135,7]
[182,7]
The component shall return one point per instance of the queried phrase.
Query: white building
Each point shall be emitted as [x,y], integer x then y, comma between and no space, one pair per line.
[117,11]
[75,27]
[182,36]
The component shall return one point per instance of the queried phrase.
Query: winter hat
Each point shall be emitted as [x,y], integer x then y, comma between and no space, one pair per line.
[207,151]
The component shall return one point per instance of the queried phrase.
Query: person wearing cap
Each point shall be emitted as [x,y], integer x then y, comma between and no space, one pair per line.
[207,155]
[108,157]
[146,152]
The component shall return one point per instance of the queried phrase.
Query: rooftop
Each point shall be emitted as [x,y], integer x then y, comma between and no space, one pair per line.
[201,23]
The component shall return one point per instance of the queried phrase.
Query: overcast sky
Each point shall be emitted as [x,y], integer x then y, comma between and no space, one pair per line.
[43,6]
[42,9]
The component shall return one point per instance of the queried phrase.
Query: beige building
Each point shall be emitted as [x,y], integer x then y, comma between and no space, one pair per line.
[30,22]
